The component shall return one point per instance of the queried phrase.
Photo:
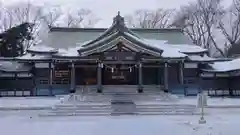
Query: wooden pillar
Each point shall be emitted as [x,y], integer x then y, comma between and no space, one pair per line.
[16,79]
[229,85]
[159,75]
[72,83]
[199,78]
[181,68]
[50,77]
[140,83]
[99,77]
[165,77]
[215,82]
[33,92]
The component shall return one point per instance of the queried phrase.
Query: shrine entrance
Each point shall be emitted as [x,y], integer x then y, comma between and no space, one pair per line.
[120,74]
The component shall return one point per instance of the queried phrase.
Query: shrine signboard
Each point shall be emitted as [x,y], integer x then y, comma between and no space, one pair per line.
[119,56]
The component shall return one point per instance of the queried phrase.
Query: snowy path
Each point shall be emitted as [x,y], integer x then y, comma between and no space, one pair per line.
[147,125]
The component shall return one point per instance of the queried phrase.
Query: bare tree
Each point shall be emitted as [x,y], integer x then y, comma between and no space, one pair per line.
[6,20]
[80,18]
[199,21]
[159,18]
[51,14]
[19,13]
[230,27]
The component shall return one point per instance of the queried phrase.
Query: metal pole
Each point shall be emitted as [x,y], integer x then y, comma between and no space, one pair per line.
[202,120]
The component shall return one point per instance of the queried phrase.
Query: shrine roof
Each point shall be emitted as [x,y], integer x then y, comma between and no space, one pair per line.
[74,42]
[225,66]
[42,49]
[13,66]
[34,57]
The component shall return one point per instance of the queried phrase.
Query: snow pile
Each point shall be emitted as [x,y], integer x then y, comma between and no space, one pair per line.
[225,66]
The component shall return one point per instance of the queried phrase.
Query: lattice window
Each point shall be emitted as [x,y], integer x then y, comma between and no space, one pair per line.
[43,81]
[61,77]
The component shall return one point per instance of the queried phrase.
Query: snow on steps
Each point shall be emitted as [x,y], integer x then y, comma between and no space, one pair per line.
[105,97]
[107,110]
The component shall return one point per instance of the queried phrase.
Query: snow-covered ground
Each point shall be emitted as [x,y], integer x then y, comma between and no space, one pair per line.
[28,102]
[132,125]
[220,121]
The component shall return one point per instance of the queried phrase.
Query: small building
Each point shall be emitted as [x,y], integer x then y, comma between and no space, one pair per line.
[105,60]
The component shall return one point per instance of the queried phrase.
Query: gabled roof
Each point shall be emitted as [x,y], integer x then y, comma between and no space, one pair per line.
[78,42]
[62,37]
[118,32]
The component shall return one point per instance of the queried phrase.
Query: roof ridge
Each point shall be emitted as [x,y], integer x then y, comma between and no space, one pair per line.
[67,29]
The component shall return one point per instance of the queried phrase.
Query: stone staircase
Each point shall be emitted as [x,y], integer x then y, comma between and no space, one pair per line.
[121,104]
[124,100]
[166,109]
[120,108]
[123,108]
[151,93]
[79,110]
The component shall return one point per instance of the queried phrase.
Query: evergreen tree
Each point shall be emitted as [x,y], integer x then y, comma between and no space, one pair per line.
[12,41]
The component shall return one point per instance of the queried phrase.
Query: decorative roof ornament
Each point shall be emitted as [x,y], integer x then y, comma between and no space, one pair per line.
[118,20]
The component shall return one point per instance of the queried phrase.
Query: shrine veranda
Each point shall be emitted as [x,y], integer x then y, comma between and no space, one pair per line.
[117,59]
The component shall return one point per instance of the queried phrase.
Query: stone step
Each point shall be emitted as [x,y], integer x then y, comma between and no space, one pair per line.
[80,105]
[167,113]
[81,111]
[165,106]
[123,113]
[163,110]
[74,114]
[73,109]
[115,114]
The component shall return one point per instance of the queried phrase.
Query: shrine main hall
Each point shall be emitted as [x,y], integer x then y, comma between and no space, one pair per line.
[117,59]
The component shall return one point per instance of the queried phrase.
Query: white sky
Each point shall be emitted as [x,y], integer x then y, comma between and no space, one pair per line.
[107,9]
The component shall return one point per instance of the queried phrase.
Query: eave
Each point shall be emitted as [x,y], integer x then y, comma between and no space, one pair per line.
[43,52]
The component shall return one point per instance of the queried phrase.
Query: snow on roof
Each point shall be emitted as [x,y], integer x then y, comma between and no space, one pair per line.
[172,54]
[155,41]
[185,48]
[168,51]
[182,48]
[29,56]
[226,65]
[42,48]
[200,58]
[84,43]
[70,52]
[11,66]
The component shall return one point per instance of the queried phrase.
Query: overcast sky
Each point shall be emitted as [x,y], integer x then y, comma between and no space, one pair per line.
[106,9]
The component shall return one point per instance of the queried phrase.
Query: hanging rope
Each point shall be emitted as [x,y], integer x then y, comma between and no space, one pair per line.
[112,68]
